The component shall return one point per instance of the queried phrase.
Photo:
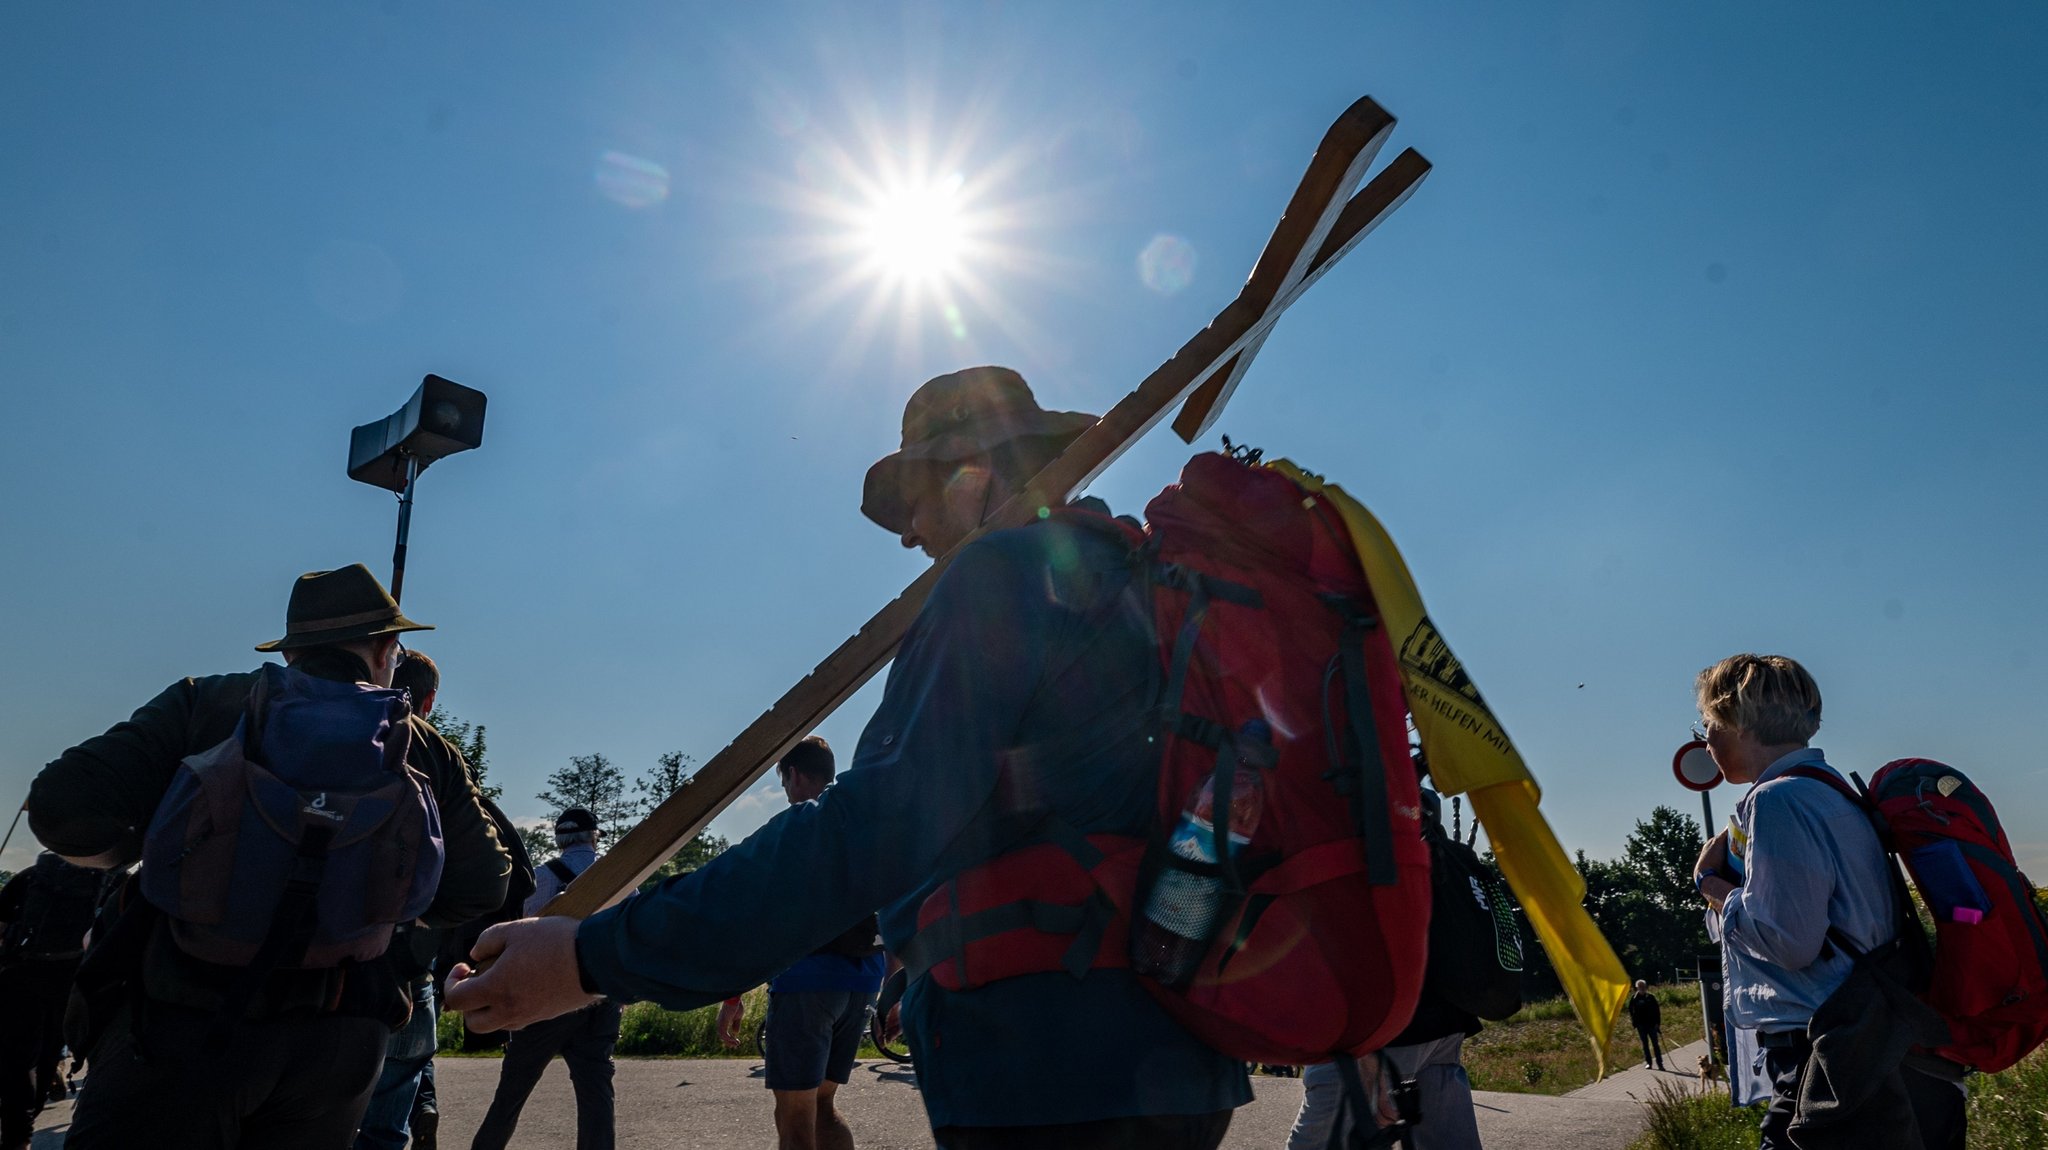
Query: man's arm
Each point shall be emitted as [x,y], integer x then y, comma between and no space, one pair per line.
[1780,912]
[476,866]
[92,803]
[925,766]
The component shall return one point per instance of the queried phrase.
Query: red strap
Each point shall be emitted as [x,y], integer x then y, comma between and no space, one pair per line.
[1821,774]
[1316,865]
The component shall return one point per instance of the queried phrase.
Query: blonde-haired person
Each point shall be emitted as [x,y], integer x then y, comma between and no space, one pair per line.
[1801,862]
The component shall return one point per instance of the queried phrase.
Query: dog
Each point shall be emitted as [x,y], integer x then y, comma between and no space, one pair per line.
[1710,1072]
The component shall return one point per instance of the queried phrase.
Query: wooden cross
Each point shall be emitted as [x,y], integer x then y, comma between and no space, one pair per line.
[1318,229]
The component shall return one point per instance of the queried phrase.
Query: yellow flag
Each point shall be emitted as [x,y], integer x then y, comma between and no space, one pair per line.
[1469,753]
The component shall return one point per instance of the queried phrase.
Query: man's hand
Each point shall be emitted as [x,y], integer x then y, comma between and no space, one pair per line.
[530,976]
[729,1016]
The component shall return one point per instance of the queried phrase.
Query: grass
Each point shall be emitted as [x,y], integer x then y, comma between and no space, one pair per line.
[1542,1049]
[648,1031]
[2008,1111]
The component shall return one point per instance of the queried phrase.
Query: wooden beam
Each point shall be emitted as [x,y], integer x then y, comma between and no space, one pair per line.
[1320,227]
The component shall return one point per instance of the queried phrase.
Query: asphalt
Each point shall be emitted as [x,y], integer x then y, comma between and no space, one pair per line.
[1634,1084]
[678,1104]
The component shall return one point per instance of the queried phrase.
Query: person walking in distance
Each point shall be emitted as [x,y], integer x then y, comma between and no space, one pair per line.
[817,1008]
[1647,1016]
[584,1038]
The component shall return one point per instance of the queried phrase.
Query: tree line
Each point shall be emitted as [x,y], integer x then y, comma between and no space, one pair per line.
[1644,902]
[599,786]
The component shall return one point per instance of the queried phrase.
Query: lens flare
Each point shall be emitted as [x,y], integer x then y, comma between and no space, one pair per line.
[1167,265]
[631,180]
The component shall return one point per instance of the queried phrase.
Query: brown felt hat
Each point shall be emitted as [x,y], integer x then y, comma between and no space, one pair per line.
[958,416]
[339,607]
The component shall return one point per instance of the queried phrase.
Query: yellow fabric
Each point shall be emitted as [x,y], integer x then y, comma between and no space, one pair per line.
[1469,753]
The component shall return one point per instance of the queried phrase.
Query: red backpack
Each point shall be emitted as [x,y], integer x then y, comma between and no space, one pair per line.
[1282,708]
[1989,977]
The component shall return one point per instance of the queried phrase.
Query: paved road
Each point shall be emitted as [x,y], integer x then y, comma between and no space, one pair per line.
[713,1105]
[1635,1083]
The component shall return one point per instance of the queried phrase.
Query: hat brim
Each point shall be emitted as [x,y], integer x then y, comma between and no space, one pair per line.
[884,495]
[391,626]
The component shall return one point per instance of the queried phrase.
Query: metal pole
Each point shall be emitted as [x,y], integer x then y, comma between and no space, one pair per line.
[10,829]
[1707,812]
[412,476]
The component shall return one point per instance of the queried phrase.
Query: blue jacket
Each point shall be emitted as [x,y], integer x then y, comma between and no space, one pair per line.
[1033,663]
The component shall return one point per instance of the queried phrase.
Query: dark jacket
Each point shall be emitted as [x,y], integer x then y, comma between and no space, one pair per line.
[1031,668]
[100,796]
[1645,1013]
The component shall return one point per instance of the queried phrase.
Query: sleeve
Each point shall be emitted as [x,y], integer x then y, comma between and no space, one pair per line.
[1780,912]
[100,795]
[925,766]
[475,867]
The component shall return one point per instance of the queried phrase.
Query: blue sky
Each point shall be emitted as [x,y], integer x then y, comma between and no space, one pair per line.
[1716,328]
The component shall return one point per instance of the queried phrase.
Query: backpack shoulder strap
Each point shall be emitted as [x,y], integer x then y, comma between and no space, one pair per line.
[1833,780]
[560,870]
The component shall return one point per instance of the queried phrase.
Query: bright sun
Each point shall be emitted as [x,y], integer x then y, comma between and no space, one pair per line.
[915,234]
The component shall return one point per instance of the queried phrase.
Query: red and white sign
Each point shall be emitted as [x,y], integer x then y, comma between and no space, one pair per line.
[1695,768]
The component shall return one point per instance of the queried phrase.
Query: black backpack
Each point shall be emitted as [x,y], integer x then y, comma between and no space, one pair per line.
[1475,944]
[56,913]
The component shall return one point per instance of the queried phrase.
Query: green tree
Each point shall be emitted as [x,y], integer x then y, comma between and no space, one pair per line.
[593,783]
[540,842]
[1661,852]
[671,773]
[470,741]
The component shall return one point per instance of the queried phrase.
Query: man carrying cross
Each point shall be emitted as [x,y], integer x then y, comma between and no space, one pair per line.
[1023,684]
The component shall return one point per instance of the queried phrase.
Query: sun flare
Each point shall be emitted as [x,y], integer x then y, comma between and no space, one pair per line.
[916,233]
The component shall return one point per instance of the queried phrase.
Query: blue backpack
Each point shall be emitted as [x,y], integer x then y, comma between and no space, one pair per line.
[301,840]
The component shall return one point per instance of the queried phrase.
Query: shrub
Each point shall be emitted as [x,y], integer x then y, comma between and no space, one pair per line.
[1679,1119]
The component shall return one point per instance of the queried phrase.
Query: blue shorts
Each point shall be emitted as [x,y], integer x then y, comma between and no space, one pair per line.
[814,1035]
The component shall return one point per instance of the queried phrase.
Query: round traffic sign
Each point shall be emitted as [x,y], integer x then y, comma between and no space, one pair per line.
[1695,768]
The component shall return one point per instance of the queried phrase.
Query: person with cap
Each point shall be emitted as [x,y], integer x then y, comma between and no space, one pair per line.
[585,1038]
[294,1067]
[1026,684]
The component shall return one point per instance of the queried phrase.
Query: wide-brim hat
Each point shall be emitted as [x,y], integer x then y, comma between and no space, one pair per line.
[958,416]
[339,607]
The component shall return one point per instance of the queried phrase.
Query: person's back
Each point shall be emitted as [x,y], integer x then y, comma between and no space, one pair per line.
[285,1056]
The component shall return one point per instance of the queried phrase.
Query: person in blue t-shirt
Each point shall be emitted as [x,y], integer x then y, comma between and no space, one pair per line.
[819,1006]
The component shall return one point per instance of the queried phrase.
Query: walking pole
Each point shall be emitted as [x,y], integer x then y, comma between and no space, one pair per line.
[10,829]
